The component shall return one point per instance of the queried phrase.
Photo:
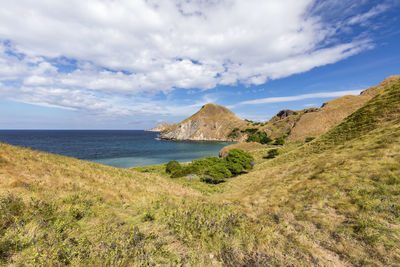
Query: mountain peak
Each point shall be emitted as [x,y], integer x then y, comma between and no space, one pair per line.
[214,109]
[211,122]
[374,90]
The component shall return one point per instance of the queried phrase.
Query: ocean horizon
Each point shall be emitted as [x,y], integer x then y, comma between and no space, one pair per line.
[118,148]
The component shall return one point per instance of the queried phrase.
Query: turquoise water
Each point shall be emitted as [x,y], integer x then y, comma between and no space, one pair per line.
[115,148]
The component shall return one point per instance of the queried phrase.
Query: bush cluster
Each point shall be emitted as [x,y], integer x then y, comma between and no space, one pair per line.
[272,153]
[234,133]
[279,141]
[174,168]
[255,123]
[259,137]
[250,130]
[212,169]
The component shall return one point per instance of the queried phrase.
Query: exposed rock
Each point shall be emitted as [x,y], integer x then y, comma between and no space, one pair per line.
[161,127]
[211,123]
[309,110]
[284,113]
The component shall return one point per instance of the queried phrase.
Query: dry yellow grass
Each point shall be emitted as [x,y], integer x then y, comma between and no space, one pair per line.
[316,123]
[333,112]
[251,146]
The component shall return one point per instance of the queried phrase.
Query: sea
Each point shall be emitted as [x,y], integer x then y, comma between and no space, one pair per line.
[119,148]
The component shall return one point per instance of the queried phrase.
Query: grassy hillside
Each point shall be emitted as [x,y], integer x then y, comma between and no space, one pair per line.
[333,202]
[313,122]
[333,112]
[338,195]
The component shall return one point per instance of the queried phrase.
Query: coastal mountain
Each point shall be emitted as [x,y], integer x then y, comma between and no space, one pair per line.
[161,127]
[211,123]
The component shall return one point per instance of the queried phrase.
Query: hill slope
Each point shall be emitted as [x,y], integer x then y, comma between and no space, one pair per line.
[333,202]
[338,196]
[211,123]
[313,124]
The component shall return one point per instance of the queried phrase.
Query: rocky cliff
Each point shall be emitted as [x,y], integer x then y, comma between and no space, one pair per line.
[161,127]
[211,123]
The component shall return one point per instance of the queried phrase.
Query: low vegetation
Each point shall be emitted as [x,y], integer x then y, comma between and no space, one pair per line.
[234,133]
[259,137]
[272,153]
[279,141]
[213,170]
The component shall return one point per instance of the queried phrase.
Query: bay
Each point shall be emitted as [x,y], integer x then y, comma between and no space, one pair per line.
[119,148]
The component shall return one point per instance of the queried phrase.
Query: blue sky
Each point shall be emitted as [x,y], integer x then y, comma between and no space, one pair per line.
[133,64]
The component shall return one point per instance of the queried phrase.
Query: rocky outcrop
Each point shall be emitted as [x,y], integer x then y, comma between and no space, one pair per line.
[211,123]
[284,113]
[161,127]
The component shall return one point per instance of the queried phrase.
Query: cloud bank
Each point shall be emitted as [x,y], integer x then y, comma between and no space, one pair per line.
[295,98]
[110,57]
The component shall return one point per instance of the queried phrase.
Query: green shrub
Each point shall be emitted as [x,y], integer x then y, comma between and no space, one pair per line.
[199,166]
[259,137]
[234,133]
[240,157]
[234,168]
[212,169]
[250,130]
[279,141]
[253,138]
[264,139]
[217,171]
[272,153]
[172,166]
[178,173]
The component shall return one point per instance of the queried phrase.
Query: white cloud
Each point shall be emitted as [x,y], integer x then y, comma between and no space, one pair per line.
[310,105]
[127,50]
[295,98]
[376,10]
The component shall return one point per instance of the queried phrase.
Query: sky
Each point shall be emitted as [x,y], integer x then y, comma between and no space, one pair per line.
[108,64]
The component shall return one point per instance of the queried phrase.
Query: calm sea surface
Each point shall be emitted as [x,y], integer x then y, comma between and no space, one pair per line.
[116,148]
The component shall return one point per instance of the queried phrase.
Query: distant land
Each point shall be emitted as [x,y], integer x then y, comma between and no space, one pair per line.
[160,127]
